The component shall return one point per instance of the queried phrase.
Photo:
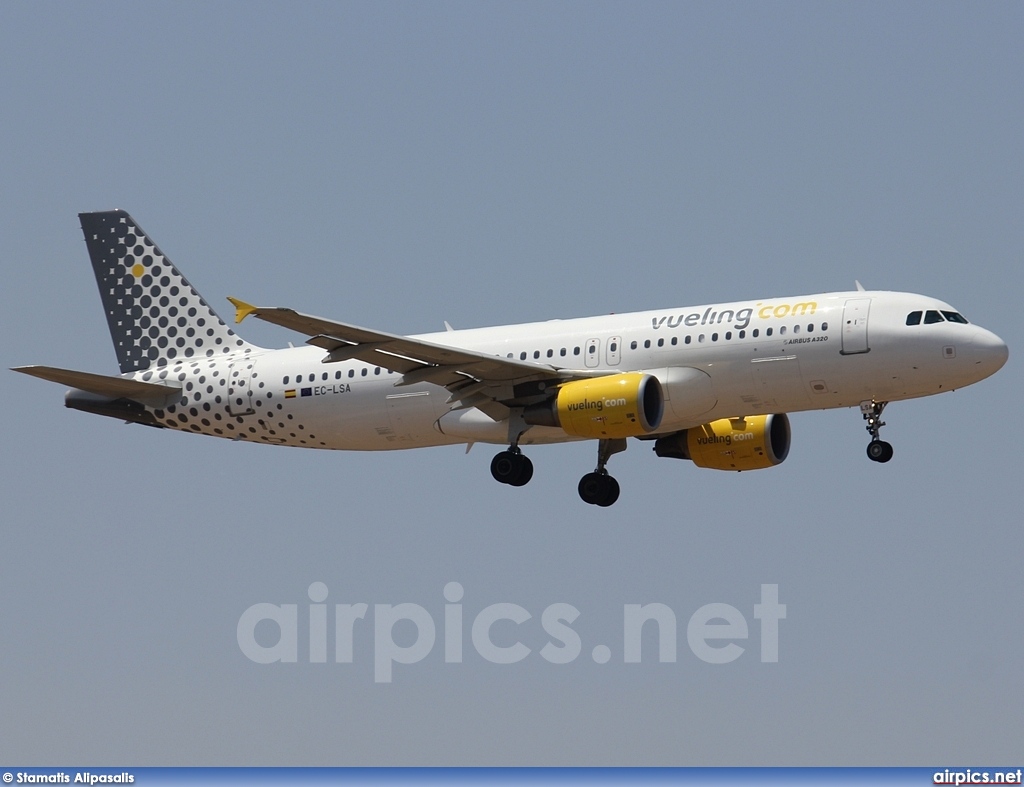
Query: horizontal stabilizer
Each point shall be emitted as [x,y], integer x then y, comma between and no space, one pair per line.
[115,387]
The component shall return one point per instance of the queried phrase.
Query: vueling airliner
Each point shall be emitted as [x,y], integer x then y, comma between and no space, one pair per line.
[711,384]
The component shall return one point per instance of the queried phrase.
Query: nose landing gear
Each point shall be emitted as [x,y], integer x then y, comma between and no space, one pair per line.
[878,449]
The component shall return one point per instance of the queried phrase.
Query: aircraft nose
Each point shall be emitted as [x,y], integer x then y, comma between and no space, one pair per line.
[990,352]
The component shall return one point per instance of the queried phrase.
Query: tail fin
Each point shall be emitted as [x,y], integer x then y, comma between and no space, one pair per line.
[155,316]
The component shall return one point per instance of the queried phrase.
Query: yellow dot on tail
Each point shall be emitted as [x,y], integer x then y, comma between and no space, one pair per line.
[138,270]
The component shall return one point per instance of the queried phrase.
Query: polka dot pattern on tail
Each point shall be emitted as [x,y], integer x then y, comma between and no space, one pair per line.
[155,316]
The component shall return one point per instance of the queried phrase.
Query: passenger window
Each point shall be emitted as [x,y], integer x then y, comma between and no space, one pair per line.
[661,342]
[914,318]
[796,329]
[632,345]
[931,316]
[768,332]
[562,352]
[377,370]
[298,378]
[755,332]
[728,335]
[824,326]
[351,372]
[675,340]
[686,340]
[536,354]
[714,337]
[614,346]
[286,380]
[647,343]
[743,334]
[325,377]
[700,338]
[522,356]
[337,375]
[362,373]
[782,330]
[575,350]
[550,353]
[810,327]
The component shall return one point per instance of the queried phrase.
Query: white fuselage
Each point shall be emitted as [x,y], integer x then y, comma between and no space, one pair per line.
[724,360]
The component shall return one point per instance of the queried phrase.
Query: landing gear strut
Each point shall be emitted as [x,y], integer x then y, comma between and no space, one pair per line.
[512,467]
[878,449]
[599,488]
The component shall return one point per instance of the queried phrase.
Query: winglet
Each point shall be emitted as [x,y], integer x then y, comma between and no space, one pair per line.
[242,309]
[860,287]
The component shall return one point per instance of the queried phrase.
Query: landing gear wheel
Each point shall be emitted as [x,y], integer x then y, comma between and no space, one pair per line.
[503,467]
[525,471]
[612,492]
[591,488]
[512,468]
[598,489]
[879,451]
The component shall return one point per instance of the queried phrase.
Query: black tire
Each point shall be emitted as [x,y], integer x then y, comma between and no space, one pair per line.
[598,489]
[524,471]
[611,492]
[591,488]
[879,451]
[504,467]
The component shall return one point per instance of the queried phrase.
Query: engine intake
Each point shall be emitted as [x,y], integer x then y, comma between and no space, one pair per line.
[750,443]
[620,405]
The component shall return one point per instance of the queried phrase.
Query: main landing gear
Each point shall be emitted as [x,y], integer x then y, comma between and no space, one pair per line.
[512,467]
[878,449]
[599,488]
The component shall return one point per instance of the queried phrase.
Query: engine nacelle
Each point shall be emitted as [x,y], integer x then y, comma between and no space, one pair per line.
[750,443]
[620,405]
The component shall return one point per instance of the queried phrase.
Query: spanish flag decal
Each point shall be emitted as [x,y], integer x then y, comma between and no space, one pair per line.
[289,394]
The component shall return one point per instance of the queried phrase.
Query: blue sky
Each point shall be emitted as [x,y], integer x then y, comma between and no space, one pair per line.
[397,165]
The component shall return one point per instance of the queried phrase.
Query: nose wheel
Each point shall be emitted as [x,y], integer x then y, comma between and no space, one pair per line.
[512,467]
[878,449]
[599,488]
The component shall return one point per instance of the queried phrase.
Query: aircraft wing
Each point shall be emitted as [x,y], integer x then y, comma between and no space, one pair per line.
[475,379]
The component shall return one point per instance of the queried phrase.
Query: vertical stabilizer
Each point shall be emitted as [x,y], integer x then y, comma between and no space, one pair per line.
[155,316]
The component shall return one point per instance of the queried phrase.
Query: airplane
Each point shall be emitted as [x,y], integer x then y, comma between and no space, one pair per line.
[711,384]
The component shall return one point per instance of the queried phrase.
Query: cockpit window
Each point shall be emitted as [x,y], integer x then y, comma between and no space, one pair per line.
[914,318]
[932,316]
[955,317]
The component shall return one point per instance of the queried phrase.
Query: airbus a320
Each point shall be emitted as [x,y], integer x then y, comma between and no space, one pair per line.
[711,384]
